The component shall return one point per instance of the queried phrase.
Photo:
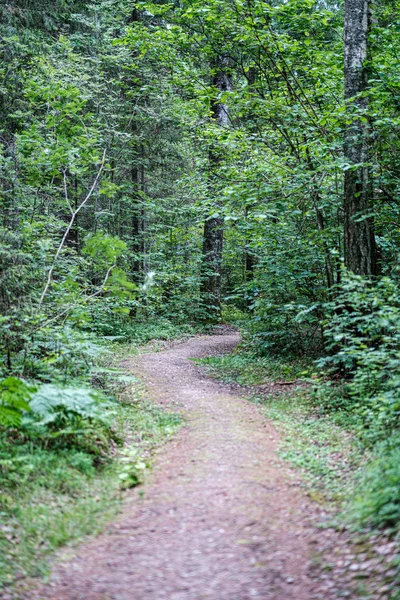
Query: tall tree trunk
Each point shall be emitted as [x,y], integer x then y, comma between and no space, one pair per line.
[330,280]
[136,241]
[359,238]
[138,215]
[213,226]
[137,177]
[249,257]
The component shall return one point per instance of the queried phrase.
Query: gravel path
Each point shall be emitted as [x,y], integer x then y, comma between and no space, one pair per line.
[221,517]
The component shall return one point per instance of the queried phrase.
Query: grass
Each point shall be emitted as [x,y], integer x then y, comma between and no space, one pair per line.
[334,455]
[54,492]
[136,333]
[326,453]
[247,369]
[62,505]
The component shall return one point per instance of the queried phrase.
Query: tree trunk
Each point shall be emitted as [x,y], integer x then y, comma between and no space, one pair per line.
[330,280]
[137,179]
[249,257]
[136,241]
[250,261]
[213,226]
[359,238]
[138,217]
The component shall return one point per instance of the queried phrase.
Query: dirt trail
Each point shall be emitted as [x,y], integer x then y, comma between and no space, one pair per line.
[220,519]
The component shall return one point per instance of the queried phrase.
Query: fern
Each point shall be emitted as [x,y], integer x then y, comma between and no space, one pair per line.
[52,404]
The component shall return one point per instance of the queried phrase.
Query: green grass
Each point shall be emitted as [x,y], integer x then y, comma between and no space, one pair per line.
[64,504]
[323,441]
[247,369]
[55,491]
[377,497]
[324,452]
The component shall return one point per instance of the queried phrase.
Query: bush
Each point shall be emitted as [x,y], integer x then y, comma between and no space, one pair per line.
[377,500]
[289,329]
[362,333]
[69,417]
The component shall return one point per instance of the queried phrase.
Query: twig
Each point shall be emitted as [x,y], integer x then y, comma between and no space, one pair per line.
[71,306]
[101,288]
[72,220]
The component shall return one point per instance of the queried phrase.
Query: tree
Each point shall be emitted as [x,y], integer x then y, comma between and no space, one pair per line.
[359,239]
[213,225]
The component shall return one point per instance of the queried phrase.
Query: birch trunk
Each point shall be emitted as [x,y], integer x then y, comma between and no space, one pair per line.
[359,239]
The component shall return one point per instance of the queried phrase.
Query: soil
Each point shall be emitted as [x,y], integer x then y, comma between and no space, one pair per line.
[220,517]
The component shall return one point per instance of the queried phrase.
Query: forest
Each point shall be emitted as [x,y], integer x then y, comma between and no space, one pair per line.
[176,168]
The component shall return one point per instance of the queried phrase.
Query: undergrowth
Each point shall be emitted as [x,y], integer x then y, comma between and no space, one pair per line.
[247,369]
[70,452]
[138,333]
[50,496]
[325,453]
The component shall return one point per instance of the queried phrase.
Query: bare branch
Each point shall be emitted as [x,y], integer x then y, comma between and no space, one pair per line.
[101,288]
[72,220]
[85,299]
[66,193]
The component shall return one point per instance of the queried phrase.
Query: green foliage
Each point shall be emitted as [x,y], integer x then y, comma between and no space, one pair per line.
[249,369]
[116,325]
[15,397]
[284,328]
[104,249]
[71,418]
[363,337]
[111,161]
[52,403]
[132,469]
[53,486]
[16,264]
[377,500]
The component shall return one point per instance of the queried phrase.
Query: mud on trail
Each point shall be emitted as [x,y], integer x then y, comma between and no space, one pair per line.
[221,517]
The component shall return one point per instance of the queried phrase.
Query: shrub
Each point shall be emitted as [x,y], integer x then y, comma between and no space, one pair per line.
[362,333]
[70,417]
[291,328]
[377,500]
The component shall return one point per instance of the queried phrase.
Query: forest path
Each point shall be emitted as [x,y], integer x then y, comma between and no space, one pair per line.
[220,518]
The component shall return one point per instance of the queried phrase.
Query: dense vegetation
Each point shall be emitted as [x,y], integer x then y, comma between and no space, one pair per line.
[165,166]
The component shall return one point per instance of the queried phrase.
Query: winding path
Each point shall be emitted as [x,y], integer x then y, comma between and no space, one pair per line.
[220,518]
